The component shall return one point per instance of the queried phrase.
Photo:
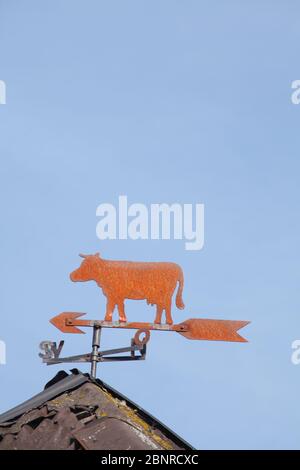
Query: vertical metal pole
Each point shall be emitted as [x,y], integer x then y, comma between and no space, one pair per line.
[95,348]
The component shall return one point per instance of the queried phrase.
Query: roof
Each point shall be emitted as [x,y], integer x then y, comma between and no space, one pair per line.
[76,411]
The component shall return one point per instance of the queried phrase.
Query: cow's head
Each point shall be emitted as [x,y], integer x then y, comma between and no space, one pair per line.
[87,269]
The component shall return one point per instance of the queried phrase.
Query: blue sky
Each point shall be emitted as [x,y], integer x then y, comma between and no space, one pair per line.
[163,101]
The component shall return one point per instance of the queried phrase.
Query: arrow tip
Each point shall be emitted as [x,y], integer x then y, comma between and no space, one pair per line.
[61,322]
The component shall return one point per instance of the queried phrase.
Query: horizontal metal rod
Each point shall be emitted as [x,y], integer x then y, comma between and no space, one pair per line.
[51,362]
[126,325]
[121,350]
[121,358]
[59,360]
[88,357]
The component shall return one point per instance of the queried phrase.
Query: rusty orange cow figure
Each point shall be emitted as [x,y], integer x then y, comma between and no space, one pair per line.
[120,280]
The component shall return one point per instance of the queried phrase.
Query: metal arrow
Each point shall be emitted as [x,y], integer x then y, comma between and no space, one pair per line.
[193,328]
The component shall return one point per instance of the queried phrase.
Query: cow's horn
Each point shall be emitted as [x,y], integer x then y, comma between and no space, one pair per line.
[82,256]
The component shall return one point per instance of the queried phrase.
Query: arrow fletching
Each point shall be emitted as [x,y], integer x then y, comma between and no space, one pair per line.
[213,330]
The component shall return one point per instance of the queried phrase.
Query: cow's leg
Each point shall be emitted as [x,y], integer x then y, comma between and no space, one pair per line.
[168,312]
[110,305]
[122,315]
[159,311]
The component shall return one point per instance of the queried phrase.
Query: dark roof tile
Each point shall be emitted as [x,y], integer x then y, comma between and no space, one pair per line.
[76,411]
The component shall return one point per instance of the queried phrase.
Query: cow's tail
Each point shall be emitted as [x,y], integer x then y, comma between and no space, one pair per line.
[179,301]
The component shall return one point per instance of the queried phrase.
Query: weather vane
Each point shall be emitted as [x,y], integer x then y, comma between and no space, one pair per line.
[154,282]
